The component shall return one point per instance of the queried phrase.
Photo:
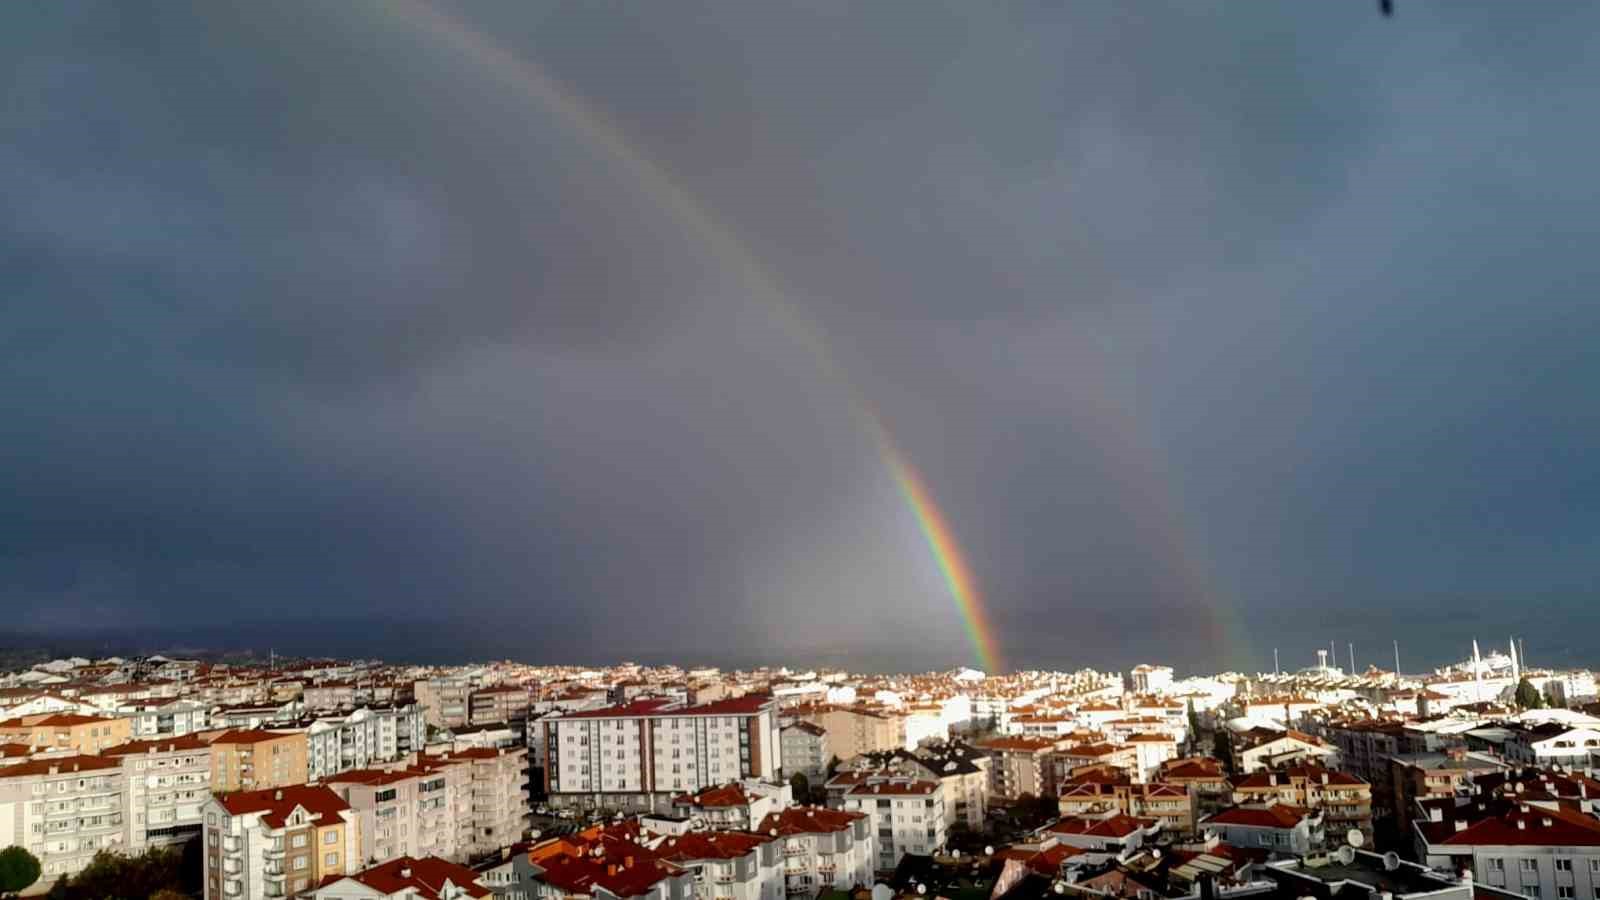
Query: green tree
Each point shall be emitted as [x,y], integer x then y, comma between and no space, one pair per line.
[1194,722]
[800,785]
[1528,696]
[19,869]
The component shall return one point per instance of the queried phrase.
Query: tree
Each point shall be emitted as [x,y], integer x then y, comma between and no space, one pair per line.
[19,869]
[1222,747]
[1528,696]
[800,785]
[1194,722]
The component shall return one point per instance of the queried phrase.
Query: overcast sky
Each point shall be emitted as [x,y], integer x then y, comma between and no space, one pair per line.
[1212,326]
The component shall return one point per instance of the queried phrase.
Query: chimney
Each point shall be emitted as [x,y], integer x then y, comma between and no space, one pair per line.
[1522,824]
[277,795]
[405,871]
[1461,824]
[1435,814]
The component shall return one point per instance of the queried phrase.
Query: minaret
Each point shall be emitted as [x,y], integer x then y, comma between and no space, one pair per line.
[1396,660]
[1477,671]
[1516,664]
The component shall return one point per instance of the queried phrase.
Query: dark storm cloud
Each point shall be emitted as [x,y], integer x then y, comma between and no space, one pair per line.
[1193,316]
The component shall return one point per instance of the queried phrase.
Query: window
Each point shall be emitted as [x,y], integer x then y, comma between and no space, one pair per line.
[298,840]
[1496,864]
[300,862]
[330,859]
[330,836]
[1563,865]
[1527,865]
[1564,892]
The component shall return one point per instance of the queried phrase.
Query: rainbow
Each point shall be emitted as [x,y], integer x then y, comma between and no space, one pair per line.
[594,128]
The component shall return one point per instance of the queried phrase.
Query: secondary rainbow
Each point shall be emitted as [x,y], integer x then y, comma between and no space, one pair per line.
[594,128]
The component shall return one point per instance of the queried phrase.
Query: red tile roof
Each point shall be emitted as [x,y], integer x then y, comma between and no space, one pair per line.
[807,820]
[1278,815]
[723,796]
[1564,829]
[277,803]
[248,736]
[423,879]
[159,745]
[1117,826]
[59,765]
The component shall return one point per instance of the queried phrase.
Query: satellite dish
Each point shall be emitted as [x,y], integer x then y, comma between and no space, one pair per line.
[1355,838]
[1346,855]
[1391,861]
[955,854]
[988,851]
[1155,853]
[536,834]
[922,889]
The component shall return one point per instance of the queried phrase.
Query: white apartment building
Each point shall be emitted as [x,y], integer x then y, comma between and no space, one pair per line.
[1273,827]
[446,701]
[1148,679]
[726,865]
[738,807]
[164,717]
[1537,851]
[496,797]
[823,848]
[407,878]
[277,842]
[405,811]
[362,738]
[63,810]
[167,784]
[642,754]
[907,815]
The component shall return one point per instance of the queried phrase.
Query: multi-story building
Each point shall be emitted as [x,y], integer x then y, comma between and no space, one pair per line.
[250,760]
[1106,791]
[328,695]
[279,842]
[402,811]
[641,755]
[1344,799]
[66,731]
[731,865]
[1366,745]
[907,814]
[1425,776]
[407,878]
[496,798]
[964,772]
[1274,827]
[1020,765]
[854,730]
[1261,749]
[1204,779]
[823,848]
[1536,849]
[168,781]
[445,700]
[804,750]
[1147,679]
[738,806]
[1113,833]
[361,738]
[164,717]
[63,810]
[498,703]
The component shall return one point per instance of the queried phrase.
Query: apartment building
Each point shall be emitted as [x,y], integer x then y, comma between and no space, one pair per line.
[1366,745]
[1274,827]
[726,865]
[63,810]
[497,797]
[445,700]
[804,750]
[1344,799]
[498,703]
[1020,765]
[404,811]
[854,730]
[598,864]
[164,717]
[1262,749]
[1113,833]
[738,806]
[279,842]
[329,695]
[964,772]
[1538,850]
[66,731]
[823,848]
[642,754]
[1425,776]
[1104,791]
[906,814]
[362,738]
[1204,779]
[1147,679]
[168,781]
[407,878]
[252,760]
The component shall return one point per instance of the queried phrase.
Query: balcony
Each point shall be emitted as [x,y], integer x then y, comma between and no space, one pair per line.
[791,850]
